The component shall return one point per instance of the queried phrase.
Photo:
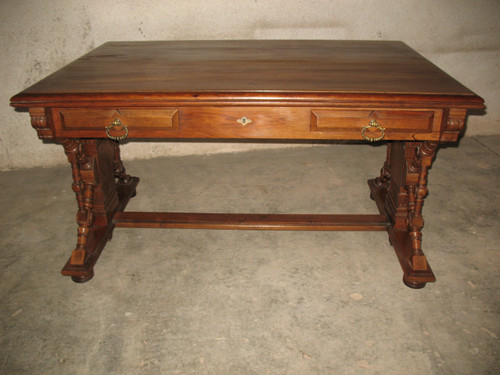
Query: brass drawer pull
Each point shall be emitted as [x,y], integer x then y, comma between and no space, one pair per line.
[119,124]
[244,121]
[373,124]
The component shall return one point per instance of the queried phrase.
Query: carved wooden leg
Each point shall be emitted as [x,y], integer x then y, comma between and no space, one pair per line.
[416,180]
[84,181]
[400,193]
[99,197]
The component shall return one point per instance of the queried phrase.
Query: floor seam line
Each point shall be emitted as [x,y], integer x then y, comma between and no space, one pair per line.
[486,147]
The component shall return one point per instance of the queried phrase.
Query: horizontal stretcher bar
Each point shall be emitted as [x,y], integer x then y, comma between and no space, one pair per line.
[363,222]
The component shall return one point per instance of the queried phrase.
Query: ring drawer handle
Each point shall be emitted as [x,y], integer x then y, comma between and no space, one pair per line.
[244,121]
[376,125]
[117,123]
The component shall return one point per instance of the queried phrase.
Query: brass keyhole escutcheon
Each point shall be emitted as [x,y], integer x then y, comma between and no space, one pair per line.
[117,123]
[244,121]
[376,125]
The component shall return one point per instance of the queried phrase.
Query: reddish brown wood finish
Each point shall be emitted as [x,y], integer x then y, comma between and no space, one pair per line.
[151,68]
[250,221]
[141,122]
[266,122]
[301,90]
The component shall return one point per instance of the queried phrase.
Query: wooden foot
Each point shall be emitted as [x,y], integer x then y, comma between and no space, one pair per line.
[83,279]
[413,284]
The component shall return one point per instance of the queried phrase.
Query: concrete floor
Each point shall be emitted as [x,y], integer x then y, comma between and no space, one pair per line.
[248,302]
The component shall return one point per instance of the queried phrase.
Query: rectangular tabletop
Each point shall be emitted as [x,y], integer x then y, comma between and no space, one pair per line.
[147,70]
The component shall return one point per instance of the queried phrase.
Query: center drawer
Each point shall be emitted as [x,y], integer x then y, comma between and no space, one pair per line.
[245,122]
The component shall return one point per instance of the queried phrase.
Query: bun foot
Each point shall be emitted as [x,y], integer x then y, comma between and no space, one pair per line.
[413,284]
[83,279]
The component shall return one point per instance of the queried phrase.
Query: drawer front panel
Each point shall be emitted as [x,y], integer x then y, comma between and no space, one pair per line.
[140,122]
[397,124]
[244,122]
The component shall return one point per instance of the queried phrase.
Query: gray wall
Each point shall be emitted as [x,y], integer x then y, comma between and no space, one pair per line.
[38,37]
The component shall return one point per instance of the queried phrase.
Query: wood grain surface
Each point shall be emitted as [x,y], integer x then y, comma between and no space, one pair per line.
[175,67]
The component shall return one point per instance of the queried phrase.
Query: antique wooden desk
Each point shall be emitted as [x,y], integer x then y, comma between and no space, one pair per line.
[365,91]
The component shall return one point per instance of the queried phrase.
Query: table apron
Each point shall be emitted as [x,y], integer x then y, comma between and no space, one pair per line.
[249,122]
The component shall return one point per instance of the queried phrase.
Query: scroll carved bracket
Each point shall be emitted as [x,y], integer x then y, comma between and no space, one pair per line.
[385,172]
[40,120]
[453,124]
[118,168]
